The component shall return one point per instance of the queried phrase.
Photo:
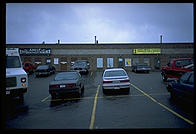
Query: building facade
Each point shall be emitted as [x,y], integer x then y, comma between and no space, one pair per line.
[102,56]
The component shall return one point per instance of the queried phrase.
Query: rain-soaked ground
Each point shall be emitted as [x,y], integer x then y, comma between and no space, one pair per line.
[147,106]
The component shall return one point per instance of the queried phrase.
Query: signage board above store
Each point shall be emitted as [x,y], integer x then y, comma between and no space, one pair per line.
[35,51]
[147,51]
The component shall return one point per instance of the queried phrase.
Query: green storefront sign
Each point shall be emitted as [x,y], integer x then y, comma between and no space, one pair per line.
[147,51]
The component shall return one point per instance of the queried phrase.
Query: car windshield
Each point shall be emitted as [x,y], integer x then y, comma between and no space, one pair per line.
[142,66]
[79,63]
[13,62]
[42,67]
[66,76]
[114,73]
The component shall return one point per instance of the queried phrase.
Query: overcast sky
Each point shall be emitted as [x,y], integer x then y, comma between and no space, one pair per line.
[110,22]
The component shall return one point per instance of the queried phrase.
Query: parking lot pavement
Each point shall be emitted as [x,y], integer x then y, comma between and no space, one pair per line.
[147,106]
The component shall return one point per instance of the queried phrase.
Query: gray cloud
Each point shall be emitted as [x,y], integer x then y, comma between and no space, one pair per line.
[34,23]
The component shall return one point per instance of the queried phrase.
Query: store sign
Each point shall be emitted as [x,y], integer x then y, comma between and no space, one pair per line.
[127,62]
[147,51]
[35,51]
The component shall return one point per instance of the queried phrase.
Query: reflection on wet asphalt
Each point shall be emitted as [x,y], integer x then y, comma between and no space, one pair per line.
[115,110]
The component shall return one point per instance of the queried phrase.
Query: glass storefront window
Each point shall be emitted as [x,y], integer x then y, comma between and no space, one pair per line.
[99,62]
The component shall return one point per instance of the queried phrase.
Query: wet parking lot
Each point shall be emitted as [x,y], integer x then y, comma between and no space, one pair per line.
[147,106]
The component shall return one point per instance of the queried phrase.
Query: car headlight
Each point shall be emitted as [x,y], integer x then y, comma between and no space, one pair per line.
[23,80]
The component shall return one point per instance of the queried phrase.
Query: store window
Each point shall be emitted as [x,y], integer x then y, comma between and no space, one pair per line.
[120,62]
[127,62]
[99,62]
[147,61]
[56,60]
[135,61]
[110,62]
[48,61]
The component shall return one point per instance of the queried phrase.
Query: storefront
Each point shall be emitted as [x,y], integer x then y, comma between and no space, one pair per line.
[102,56]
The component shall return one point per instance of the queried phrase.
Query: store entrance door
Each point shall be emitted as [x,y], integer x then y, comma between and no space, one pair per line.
[63,63]
[157,63]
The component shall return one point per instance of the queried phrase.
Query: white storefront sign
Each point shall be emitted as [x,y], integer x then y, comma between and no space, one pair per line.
[127,62]
[99,62]
[56,60]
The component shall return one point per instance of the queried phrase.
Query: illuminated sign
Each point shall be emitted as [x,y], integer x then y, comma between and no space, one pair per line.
[147,51]
[35,51]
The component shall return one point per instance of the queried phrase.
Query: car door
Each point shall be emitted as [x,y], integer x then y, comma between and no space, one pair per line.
[188,86]
[185,87]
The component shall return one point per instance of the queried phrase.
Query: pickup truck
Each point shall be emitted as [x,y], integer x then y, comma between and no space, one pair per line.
[176,68]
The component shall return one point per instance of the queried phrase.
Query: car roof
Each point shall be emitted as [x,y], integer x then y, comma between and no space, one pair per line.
[182,59]
[80,60]
[112,69]
[67,72]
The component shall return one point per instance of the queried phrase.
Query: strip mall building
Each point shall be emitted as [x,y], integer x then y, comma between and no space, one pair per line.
[102,56]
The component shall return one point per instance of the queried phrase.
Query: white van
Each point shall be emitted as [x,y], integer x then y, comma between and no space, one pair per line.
[16,77]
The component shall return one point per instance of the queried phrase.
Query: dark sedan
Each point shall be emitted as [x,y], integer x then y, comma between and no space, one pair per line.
[141,68]
[182,88]
[44,70]
[82,66]
[66,82]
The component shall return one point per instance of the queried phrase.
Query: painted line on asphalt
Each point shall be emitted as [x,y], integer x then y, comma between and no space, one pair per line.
[175,113]
[91,73]
[101,97]
[94,109]
[45,98]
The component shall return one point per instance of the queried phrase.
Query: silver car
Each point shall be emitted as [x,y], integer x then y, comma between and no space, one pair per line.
[115,79]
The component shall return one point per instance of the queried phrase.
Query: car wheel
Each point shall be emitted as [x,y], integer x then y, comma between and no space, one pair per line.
[128,91]
[104,91]
[79,93]
[172,96]
[83,90]
[53,95]
[21,97]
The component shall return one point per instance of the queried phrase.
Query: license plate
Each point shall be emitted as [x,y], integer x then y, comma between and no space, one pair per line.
[62,86]
[7,92]
[116,87]
[116,82]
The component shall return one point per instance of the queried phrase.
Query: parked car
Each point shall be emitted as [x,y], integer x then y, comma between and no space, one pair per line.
[176,68]
[45,70]
[82,66]
[28,67]
[182,88]
[115,79]
[66,82]
[141,68]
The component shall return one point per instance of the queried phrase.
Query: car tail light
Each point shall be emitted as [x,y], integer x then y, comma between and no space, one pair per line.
[124,81]
[71,85]
[54,86]
[107,81]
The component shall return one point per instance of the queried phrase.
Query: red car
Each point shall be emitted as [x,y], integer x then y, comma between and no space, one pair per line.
[28,67]
[176,68]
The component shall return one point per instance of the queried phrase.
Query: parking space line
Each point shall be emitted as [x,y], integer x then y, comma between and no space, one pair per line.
[45,98]
[101,97]
[91,73]
[165,107]
[94,109]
